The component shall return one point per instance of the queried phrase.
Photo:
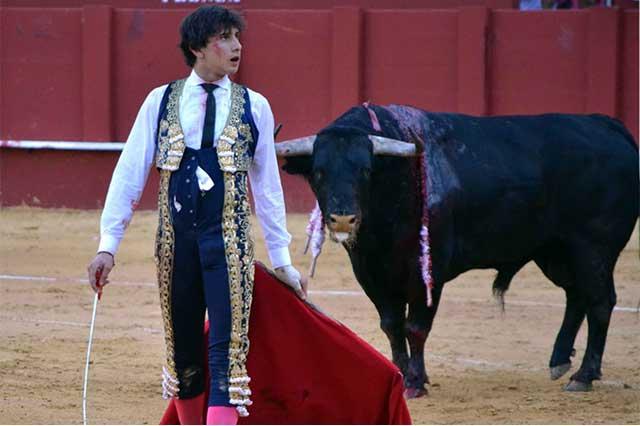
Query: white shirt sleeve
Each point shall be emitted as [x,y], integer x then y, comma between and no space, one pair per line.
[266,187]
[130,174]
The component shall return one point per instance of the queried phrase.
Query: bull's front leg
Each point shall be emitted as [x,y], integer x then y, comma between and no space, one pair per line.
[392,322]
[418,326]
[390,303]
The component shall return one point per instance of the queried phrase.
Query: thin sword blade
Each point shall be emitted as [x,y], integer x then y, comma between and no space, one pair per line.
[96,297]
[86,367]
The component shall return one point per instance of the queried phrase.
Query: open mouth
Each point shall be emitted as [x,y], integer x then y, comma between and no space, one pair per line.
[235,59]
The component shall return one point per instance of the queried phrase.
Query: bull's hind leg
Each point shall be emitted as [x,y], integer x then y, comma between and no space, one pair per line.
[574,314]
[419,322]
[598,317]
[594,278]
[554,262]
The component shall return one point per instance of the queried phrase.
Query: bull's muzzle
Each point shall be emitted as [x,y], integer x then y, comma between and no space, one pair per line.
[342,227]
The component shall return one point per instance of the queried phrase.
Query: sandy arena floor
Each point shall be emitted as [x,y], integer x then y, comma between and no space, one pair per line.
[485,366]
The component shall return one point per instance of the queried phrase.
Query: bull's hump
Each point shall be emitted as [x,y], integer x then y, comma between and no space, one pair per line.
[409,119]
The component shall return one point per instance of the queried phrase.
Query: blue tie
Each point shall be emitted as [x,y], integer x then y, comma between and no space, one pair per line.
[209,117]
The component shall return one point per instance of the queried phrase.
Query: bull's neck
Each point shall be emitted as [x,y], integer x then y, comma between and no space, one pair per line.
[394,201]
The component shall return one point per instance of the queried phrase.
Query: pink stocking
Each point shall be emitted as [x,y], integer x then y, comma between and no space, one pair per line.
[220,415]
[190,410]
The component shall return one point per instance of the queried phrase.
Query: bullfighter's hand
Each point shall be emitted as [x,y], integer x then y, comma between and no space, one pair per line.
[290,276]
[102,262]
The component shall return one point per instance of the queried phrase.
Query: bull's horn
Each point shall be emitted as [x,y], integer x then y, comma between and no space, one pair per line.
[295,147]
[386,146]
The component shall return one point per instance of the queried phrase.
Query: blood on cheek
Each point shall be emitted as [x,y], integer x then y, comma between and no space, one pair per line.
[215,46]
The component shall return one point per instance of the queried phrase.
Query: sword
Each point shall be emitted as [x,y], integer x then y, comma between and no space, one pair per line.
[96,298]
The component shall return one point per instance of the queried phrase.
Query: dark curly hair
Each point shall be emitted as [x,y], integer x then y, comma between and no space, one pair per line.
[206,21]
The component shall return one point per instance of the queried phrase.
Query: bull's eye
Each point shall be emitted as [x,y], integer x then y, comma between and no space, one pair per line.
[366,173]
[317,175]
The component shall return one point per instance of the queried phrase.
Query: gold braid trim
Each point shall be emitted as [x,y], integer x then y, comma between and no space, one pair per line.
[236,231]
[170,135]
[165,240]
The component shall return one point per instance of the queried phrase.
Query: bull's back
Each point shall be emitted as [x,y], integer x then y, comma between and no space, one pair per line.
[521,181]
[585,166]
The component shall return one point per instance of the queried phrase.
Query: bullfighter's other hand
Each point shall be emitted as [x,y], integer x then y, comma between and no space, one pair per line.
[102,262]
[290,276]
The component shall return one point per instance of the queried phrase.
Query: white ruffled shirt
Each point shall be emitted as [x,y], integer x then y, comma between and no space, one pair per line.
[138,155]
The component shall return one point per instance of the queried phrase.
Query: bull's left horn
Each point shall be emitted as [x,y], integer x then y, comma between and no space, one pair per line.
[295,147]
[386,146]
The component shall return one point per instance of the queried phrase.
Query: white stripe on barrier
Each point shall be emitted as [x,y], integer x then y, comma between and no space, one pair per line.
[8,277]
[63,145]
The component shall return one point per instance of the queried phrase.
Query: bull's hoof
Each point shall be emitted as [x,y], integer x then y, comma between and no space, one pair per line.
[559,370]
[410,393]
[576,386]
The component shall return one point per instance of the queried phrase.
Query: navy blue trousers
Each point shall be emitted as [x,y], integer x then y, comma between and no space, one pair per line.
[200,279]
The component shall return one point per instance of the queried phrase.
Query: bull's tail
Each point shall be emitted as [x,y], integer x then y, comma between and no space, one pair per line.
[503,280]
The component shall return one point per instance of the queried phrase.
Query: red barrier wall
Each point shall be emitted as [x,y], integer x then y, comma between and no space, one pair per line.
[81,73]
[627,90]
[274,4]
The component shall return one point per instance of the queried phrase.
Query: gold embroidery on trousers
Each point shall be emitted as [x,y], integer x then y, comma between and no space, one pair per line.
[239,255]
[165,241]
[234,160]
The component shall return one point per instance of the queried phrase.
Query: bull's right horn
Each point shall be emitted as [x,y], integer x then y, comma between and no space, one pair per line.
[387,146]
[295,147]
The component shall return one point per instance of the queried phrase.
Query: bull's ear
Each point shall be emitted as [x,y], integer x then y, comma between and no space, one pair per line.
[298,165]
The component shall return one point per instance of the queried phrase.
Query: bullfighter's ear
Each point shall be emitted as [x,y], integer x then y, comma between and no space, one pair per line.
[298,165]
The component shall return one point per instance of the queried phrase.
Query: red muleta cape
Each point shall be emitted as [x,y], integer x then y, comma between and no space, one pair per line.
[307,368]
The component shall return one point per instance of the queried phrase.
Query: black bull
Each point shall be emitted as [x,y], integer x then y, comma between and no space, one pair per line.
[558,189]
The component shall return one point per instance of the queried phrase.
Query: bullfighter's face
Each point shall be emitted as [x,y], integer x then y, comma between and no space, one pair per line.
[340,175]
[220,57]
